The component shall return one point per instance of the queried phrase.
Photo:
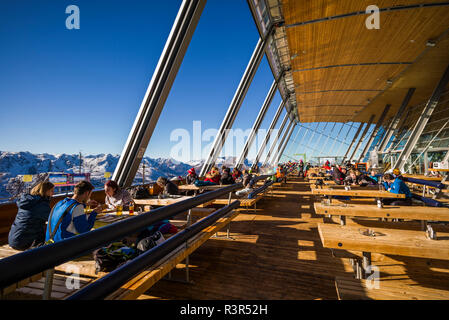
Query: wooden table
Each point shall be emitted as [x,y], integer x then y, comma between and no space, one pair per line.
[386,241]
[423,214]
[192,187]
[358,193]
[166,201]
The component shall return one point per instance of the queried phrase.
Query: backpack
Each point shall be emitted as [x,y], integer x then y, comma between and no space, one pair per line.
[150,242]
[113,256]
[139,192]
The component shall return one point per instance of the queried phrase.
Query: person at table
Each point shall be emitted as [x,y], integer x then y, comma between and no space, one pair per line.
[191,176]
[213,176]
[352,179]
[396,185]
[68,217]
[169,188]
[28,228]
[236,174]
[116,196]
[226,177]
[301,169]
[280,174]
[327,166]
[374,176]
[338,175]
[247,182]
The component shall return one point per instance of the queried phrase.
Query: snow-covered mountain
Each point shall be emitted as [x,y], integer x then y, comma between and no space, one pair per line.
[13,165]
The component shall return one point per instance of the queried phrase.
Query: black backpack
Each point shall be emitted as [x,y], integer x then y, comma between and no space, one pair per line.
[139,193]
[109,258]
[150,242]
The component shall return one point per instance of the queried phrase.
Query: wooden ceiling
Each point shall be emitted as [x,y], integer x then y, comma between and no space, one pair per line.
[343,71]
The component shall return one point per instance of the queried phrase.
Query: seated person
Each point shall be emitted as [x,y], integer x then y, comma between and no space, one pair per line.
[226,178]
[339,175]
[213,176]
[192,176]
[248,184]
[256,169]
[396,185]
[327,165]
[28,228]
[169,188]
[352,179]
[280,174]
[236,174]
[374,176]
[116,196]
[68,218]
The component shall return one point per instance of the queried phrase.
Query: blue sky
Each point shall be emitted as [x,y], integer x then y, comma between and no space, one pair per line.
[62,91]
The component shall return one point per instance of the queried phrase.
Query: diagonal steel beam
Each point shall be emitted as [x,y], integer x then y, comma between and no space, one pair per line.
[375,131]
[383,144]
[157,92]
[368,125]
[235,105]
[257,123]
[422,121]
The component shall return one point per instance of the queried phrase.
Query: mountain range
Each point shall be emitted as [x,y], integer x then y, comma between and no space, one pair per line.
[13,165]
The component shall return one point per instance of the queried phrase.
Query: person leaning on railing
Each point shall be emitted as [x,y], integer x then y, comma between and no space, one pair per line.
[116,196]
[28,228]
[68,218]
[398,186]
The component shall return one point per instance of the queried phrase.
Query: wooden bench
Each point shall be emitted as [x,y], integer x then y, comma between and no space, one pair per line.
[146,279]
[387,212]
[385,241]
[349,288]
[245,203]
[85,266]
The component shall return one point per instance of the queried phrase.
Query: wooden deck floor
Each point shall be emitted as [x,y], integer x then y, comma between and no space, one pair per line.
[277,254]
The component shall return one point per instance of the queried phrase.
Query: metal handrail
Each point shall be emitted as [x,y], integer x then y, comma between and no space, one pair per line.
[31,262]
[111,282]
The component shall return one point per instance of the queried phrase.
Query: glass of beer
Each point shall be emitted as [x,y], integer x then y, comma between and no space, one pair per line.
[131,209]
[119,209]
[87,209]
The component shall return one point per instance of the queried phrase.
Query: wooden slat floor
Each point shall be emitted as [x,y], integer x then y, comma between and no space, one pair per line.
[277,254]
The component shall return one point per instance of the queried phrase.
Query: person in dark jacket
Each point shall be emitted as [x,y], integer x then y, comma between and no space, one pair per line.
[338,175]
[28,229]
[192,176]
[226,177]
[169,187]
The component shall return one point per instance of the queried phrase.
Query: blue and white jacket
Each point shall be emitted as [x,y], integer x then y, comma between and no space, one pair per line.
[75,222]
[399,187]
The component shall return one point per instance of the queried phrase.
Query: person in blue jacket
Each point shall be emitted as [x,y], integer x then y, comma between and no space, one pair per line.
[397,185]
[28,228]
[68,218]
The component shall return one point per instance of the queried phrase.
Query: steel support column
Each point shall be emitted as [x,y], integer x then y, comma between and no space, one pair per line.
[235,105]
[268,135]
[284,121]
[394,123]
[352,142]
[284,145]
[422,121]
[365,131]
[280,144]
[375,131]
[157,92]
[256,125]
